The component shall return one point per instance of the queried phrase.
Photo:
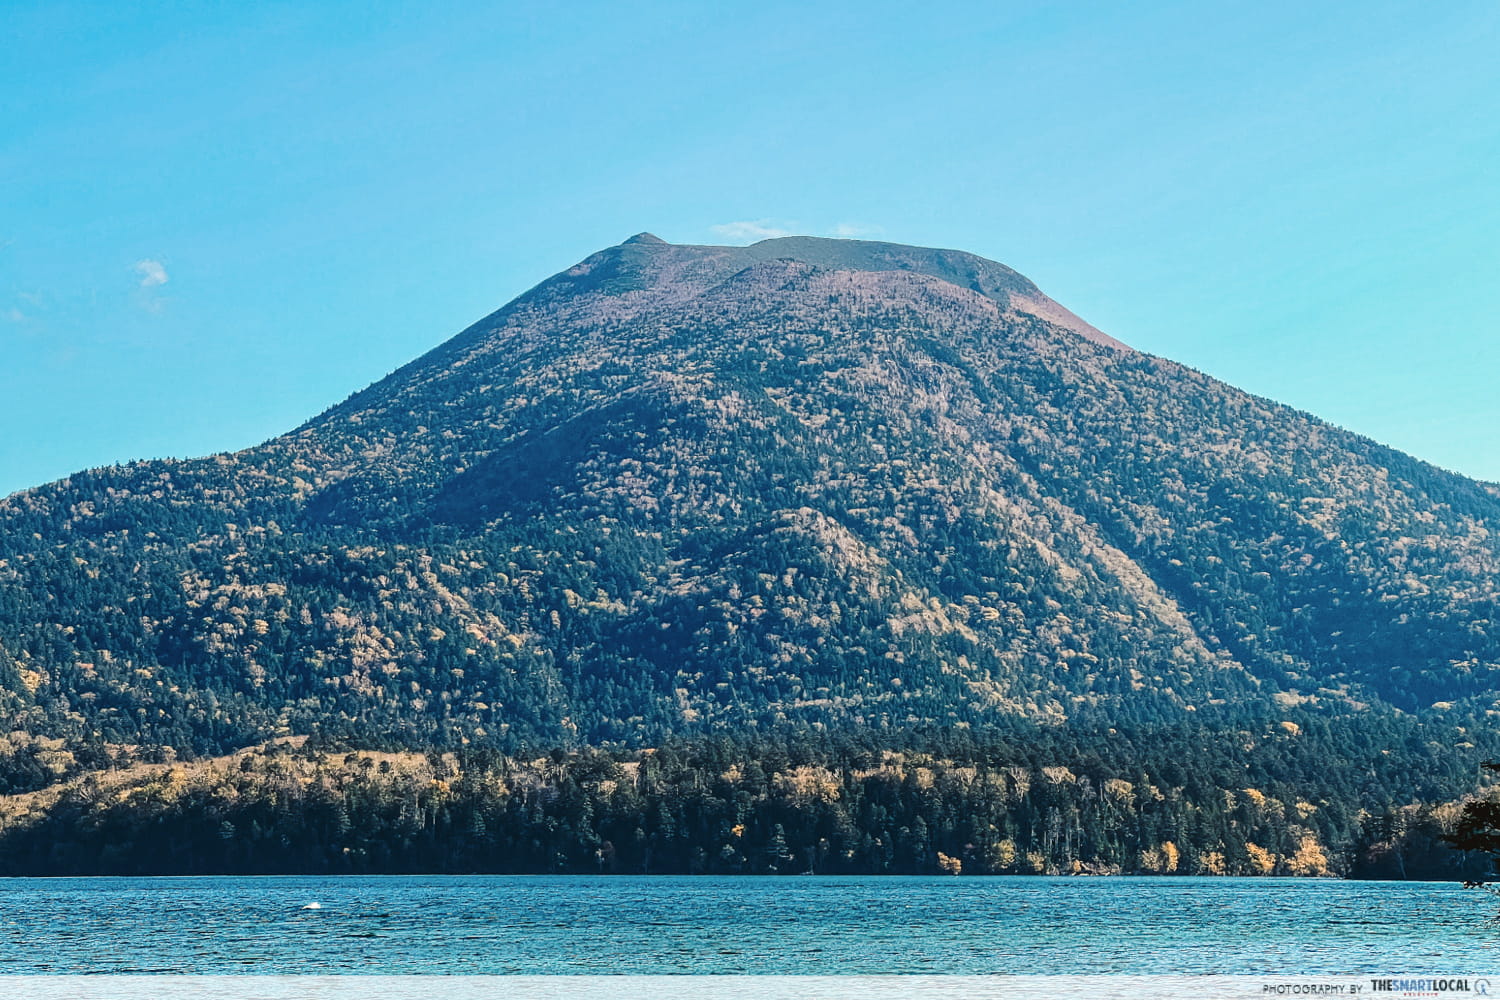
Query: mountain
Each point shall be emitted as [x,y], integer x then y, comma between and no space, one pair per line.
[806,483]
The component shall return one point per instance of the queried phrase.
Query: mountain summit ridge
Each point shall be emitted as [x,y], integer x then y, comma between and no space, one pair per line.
[809,482]
[966,270]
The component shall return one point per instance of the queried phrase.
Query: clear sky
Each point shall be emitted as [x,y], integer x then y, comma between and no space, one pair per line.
[218,219]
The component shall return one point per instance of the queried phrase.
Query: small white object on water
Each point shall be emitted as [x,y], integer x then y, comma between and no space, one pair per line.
[313,906]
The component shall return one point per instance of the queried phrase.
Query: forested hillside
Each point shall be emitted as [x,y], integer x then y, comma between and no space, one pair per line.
[806,486]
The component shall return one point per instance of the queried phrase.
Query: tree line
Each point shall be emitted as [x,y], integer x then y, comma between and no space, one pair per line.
[1168,801]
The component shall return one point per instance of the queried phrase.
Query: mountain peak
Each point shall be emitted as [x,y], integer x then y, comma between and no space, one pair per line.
[647,261]
[697,489]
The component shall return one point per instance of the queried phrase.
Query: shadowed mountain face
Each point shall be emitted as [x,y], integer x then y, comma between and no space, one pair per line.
[679,488]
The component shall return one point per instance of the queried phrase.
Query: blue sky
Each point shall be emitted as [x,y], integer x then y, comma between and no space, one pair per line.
[218,219]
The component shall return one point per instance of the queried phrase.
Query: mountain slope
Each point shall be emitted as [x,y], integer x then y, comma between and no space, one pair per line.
[683,488]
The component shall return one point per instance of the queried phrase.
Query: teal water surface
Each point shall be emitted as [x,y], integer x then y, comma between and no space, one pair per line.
[789,926]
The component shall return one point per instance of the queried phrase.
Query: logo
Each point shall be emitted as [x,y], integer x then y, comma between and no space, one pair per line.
[1432,986]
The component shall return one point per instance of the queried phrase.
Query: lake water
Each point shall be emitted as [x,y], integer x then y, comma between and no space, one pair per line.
[726,926]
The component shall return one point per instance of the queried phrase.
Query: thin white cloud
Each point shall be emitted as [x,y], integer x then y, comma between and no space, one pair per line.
[152,273]
[758,229]
[854,231]
[15,315]
[770,229]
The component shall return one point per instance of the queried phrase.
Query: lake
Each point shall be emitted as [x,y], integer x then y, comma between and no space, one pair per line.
[475,925]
